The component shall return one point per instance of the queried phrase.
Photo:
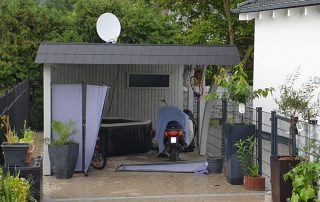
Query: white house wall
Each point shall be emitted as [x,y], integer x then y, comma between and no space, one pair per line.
[285,40]
[132,103]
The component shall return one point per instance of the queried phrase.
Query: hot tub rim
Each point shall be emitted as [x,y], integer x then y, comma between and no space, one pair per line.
[134,123]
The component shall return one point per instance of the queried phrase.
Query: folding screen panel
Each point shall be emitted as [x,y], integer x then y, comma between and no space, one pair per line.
[67,105]
[95,98]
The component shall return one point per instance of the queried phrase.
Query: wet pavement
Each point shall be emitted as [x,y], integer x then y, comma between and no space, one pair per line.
[108,185]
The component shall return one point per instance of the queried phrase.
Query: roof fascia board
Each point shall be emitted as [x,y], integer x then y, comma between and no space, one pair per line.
[274,6]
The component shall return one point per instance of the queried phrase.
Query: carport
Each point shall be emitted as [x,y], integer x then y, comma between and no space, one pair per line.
[112,64]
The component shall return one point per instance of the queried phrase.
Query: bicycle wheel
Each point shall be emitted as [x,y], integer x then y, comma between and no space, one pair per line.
[99,160]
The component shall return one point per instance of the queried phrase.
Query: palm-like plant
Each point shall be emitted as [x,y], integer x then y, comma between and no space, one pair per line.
[65,130]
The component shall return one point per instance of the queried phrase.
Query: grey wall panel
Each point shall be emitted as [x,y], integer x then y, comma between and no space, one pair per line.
[123,101]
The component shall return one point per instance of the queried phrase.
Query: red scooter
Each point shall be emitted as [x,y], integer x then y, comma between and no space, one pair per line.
[174,140]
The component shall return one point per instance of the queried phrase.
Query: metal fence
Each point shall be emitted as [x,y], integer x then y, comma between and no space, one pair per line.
[15,104]
[227,112]
[272,133]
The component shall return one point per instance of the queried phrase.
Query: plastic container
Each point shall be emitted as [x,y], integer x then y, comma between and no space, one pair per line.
[215,165]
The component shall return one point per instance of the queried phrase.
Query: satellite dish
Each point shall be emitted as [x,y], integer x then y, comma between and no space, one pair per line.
[108,27]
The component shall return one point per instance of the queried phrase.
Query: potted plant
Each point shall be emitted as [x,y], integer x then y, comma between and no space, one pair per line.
[15,152]
[250,168]
[28,137]
[293,103]
[63,151]
[239,91]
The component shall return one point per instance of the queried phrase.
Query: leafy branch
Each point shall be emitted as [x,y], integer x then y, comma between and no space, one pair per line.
[303,176]
[297,102]
[237,86]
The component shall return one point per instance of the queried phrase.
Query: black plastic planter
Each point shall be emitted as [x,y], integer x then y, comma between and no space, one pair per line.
[63,159]
[215,165]
[15,154]
[233,133]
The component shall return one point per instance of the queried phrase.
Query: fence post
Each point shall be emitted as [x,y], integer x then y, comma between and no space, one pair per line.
[274,145]
[259,135]
[224,121]
[294,132]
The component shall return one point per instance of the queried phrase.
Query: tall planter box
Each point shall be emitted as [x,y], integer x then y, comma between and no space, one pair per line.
[63,159]
[280,165]
[233,133]
[15,154]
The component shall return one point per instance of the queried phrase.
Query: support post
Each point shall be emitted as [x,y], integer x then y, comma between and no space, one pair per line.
[205,122]
[294,132]
[259,137]
[190,95]
[224,121]
[201,107]
[46,117]
[84,96]
[274,126]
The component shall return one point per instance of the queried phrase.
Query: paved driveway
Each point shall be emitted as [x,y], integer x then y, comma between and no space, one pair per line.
[108,185]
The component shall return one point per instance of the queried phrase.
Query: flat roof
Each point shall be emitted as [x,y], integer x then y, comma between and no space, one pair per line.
[88,53]
[263,5]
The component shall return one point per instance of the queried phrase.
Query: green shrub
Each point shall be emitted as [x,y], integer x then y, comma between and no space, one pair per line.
[304,181]
[14,188]
[245,150]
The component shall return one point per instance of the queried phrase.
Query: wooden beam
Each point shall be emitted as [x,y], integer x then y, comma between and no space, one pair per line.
[311,10]
[248,16]
[265,15]
[295,11]
[279,13]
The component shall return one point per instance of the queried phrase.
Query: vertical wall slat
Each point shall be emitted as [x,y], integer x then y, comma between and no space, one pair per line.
[132,103]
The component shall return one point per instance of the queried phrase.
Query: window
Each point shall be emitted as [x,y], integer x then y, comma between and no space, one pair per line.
[148,80]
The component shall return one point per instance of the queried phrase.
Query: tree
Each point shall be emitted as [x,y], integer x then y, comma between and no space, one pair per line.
[212,22]
[140,23]
[24,24]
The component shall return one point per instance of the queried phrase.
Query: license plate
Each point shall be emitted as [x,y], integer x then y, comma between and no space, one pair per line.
[173,139]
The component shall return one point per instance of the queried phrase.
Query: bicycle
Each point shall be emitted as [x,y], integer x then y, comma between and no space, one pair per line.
[99,158]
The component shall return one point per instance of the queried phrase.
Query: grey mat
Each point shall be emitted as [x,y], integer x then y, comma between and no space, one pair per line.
[183,167]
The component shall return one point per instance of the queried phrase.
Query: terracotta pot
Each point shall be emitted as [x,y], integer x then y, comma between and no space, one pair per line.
[30,153]
[254,183]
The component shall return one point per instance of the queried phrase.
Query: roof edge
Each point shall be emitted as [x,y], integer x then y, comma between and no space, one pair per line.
[272,5]
[126,44]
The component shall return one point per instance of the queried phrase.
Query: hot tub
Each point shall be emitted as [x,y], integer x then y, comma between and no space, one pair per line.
[123,136]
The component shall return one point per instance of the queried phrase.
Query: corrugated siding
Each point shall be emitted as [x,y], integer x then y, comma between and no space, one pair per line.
[124,102]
